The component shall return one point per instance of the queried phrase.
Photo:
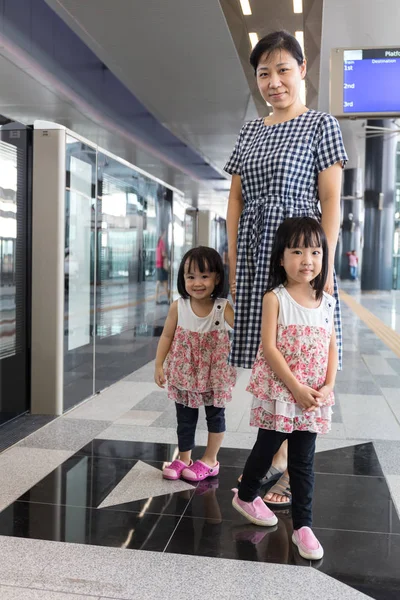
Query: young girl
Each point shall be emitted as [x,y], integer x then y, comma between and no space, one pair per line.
[197,344]
[293,376]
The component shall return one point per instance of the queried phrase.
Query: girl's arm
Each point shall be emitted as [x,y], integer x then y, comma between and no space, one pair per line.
[229,314]
[331,371]
[304,395]
[235,207]
[165,343]
[329,188]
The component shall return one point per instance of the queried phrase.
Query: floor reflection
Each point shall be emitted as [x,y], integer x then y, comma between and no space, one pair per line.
[354,516]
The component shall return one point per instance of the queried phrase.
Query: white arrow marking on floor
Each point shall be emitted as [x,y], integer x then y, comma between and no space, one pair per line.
[143,481]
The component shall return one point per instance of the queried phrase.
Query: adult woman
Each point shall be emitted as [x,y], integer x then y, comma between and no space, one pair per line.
[282,166]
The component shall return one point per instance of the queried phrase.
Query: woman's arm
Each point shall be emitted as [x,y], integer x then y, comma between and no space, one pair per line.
[235,207]
[165,343]
[229,314]
[329,188]
[305,396]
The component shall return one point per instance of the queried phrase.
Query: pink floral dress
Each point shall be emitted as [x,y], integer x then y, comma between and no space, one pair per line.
[303,337]
[197,367]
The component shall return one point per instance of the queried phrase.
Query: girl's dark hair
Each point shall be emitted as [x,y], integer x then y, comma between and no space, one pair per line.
[205,259]
[294,233]
[278,40]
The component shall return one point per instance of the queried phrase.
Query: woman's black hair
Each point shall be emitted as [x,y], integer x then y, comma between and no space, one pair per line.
[205,259]
[278,40]
[295,233]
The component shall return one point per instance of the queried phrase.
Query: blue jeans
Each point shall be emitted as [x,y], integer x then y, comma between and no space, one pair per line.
[301,450]
[353,273]
[187,420]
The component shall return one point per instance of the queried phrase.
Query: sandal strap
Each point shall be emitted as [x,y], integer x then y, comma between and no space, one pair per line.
[272,471]
[281,487]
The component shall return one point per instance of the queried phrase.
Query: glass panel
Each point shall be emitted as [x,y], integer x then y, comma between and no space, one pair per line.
[396,238]
[79,272]
[8,235]
[179,241]
[15,147]
[222,247]
[132,211]
[157,225]
[189,231]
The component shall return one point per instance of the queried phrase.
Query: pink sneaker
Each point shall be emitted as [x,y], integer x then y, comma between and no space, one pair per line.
[256,512]
[307,544]
[199,471]
[174,470]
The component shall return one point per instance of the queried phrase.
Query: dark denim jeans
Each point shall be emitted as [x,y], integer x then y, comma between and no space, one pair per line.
[187,421]
[301,450]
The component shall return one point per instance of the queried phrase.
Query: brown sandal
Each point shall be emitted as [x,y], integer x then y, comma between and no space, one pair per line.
[281,488]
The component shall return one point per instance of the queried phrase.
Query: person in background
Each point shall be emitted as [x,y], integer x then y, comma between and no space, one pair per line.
[194,346]
[353,264]
[162,268]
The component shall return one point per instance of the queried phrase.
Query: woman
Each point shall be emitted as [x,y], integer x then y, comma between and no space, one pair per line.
[282,166]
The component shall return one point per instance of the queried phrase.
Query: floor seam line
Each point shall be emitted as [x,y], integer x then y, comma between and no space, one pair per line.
[177,525]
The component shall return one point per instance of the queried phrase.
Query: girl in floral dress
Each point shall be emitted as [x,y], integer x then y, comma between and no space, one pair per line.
[293,375]
[195,346]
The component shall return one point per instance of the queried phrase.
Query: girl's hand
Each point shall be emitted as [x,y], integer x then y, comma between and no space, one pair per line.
[329,286]
[159,376]
[325,390]
[307,398]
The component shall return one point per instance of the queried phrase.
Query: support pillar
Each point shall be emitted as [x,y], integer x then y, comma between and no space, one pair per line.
[379,199]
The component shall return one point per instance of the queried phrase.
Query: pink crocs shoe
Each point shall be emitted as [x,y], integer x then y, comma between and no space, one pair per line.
[256,512]
[174,471]
[199,471]
[307,544]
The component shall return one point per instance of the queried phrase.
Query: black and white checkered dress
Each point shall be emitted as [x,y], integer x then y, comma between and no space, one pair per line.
[278,166]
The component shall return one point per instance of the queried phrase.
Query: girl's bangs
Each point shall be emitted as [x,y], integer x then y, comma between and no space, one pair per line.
[305,237]
[198,261]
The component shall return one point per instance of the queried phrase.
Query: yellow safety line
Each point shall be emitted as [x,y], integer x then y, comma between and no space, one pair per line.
[390,337]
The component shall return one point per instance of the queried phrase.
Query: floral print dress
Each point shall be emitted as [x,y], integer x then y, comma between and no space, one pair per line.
[197,367]
[303,338]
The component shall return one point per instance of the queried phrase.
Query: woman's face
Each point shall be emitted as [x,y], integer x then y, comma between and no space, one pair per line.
[279,78]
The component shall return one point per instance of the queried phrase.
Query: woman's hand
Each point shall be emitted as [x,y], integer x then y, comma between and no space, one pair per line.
[329,286]
[232,278]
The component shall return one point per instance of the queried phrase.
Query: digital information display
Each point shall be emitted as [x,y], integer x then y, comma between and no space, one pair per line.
[371,81]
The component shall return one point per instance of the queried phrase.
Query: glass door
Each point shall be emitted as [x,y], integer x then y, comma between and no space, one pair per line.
[79,276]
[117,220]
[120,267]
[15,152]
[132,211]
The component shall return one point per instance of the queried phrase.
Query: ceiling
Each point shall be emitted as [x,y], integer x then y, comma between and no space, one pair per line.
[186,62]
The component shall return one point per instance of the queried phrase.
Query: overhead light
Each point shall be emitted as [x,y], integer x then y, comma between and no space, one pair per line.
[300,38]
[297,6]
[246,8]
[253,38]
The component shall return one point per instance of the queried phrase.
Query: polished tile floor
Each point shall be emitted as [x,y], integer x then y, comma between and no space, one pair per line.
[354,515]
[86,498]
